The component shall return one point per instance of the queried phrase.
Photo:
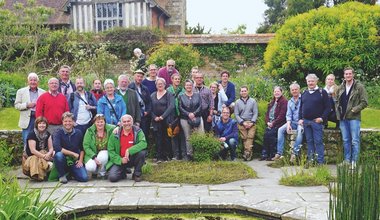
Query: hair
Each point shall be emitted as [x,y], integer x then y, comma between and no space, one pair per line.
[226,107]
[170,60]
[65,67]
[67,115]
[312,76]
[127,116]
[39,120]
[225,72]
[79,77]
[95,80]
[174,75]
[349,68]
[123,76]
[137,50]
[97,117]
[189,81]
[33,75]
[215,84]
[160,79]
[107,81]
[244,87]
[152,65]
[294,84]
[277,87]
[194,68]
[51,79]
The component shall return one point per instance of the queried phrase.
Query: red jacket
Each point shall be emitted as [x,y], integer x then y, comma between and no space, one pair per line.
[52,107]
[279,112]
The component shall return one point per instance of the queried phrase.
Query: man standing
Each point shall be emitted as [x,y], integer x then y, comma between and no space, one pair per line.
[167,71]
[126,149]
[65,85]
[145,102]
[229,88]
[52,105]
[292,118]
[83,106]
[207,101]
[351,100]
[69,152]
[227,131]
[130,98]
[25,102]
[315,108]
[246,115]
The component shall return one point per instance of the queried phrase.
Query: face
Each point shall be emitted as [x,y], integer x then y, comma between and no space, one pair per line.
[348,75]
[110,89]
[64,73]
[330,81]
[277,93]
[79,83]
[225,114]
[295,91]
[160,85]
[152,72]
[68,123]
[97,85]
[41,126]
[225,77]
[213,88]
[311,83]
[244,92]
[123,83]
[194,72]
[170,65]
[99,123]
[53,85]
[127,123]
[198,79]
[33,82]
[188,86]
[176,80]
[139,78]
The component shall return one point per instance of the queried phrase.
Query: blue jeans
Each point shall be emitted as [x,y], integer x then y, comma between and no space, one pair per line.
[80,174]
[351,139]
[27,130]
[232,143]
[314,139]
[281,138]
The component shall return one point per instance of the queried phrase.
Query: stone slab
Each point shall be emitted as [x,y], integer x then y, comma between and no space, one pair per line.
[169,203]
[315,197]
[183,191]
[90,201]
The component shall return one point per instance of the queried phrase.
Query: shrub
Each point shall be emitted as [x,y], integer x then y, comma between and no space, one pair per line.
[10,83]
[205,146]
[370,146]
[373,91]
[185,57]
[325,41]
[6,156]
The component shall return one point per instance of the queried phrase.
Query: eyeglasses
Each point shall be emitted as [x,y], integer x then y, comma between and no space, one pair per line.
[171,65]
[225,113]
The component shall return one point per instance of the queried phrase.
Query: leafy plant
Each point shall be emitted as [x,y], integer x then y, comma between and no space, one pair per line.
[205,146]
[319,175]
[6,156]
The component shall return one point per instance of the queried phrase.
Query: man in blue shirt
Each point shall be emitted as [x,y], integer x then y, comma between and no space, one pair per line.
[227,132]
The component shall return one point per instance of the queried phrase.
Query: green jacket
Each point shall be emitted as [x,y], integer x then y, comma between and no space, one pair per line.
[179,91]
[357,101]
[114,146]
[89,147]
[132,102]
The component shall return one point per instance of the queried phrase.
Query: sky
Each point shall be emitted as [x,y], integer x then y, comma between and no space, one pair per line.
[217,14]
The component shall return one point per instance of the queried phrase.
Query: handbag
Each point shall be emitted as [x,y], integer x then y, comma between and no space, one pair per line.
[194,123]
[173,128]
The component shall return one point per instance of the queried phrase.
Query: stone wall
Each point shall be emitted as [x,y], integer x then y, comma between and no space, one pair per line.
[202,39]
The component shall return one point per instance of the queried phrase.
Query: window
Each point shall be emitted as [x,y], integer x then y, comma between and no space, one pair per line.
[108,15]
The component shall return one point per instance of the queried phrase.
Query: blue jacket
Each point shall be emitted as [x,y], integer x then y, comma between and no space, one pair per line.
[73,101]
[230,92]
[105,108]
[227,130]
[69,141]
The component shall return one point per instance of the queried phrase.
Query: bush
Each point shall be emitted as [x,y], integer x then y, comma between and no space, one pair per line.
[325,41]
[10,83]
[373,91]
[185,57]
[205,146]
[6,156]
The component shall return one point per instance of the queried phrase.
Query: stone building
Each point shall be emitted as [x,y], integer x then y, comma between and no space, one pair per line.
[100,15]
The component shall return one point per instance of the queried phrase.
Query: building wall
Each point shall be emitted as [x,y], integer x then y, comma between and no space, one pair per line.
[177,22]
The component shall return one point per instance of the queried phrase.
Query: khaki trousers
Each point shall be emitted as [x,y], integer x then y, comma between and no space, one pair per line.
[35,167]
[247,135]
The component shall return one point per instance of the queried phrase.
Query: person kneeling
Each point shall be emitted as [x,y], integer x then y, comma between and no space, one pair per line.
[227,132]
[126,149]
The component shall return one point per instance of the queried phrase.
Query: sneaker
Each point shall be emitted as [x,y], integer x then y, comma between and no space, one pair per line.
[277,157]
[137,178]
[293,158]
[63,179]
[353,165]
[262,158]
[50,166]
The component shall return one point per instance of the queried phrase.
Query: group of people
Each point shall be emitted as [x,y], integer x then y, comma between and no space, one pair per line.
[103,131]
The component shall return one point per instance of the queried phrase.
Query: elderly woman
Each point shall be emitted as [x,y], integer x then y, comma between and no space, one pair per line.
[331,89]
[162,112]
[111,105]
[220,98]
[39,149]
[274,118]
[190,114]
[95,146]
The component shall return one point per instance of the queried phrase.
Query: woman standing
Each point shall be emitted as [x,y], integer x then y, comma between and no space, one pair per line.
[162,112]
[95,145]
[190,114]
[39,149]
[220,98]
[111,105]
[274,118]
[331,89]
[150,81]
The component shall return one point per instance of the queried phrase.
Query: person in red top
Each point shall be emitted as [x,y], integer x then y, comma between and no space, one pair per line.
[52,105]
[167,71]
[97,89]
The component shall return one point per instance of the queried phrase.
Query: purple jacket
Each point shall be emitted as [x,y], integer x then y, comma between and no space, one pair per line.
[279,112]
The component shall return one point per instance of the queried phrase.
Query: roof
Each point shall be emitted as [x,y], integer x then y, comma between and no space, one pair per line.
[160,4]
[61,16]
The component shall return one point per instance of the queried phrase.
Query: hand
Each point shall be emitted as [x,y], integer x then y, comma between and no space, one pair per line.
[318,120]
[76,156]
[270,125]
[191,116]
[289,129]
[300,122]
[220,87]
[78,164]
[209,118]
[88,107]
[222,139]
[97,161]
[31,105]
[116,130]
[124,160]
[157,119]
[145,113]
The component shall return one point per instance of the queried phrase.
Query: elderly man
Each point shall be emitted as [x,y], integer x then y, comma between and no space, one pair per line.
[83,105]
[130,98]
[246,113]
[126,149]
[351,100]
[52,105]
[207,101]
[314,110]
[65,85]
[292,116]
[167,71]
[143,96]
[141,59]
[69,154]
[26,99]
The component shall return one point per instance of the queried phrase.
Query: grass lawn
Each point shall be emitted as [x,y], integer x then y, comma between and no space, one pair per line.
[9,119]
[298,176]
[214,172]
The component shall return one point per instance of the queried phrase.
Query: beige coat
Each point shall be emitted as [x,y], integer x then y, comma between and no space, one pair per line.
[22,99]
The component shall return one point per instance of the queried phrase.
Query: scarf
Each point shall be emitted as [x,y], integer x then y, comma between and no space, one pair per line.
[42,139]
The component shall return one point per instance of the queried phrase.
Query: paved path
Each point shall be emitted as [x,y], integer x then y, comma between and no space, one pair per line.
[263,195]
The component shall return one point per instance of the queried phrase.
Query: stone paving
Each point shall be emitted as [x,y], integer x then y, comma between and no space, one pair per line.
[262,196]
